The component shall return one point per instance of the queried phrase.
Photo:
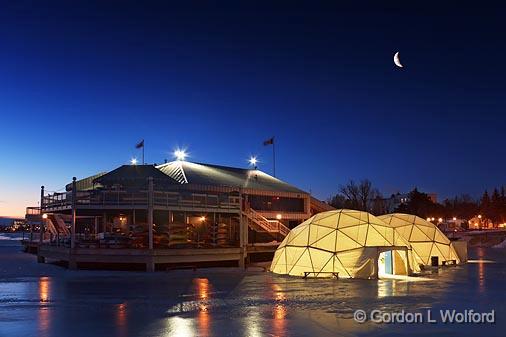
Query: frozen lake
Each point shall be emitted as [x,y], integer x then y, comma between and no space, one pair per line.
[47,300]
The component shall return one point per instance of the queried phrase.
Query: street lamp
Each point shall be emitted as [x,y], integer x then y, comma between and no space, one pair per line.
[180,154]
[253,161]
[440,220]
[133,161]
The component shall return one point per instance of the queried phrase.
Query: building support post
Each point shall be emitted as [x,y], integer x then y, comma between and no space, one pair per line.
[150,266]
[104,222]
[376,259]
[73,228]
[409,271]
[243,234]
[72,261]
[40,258]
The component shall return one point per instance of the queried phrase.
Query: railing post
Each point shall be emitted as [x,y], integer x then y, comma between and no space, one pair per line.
[41,230]
[74,203]
[150,212]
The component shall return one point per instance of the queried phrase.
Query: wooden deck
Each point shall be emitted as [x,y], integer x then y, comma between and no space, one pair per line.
[150,258]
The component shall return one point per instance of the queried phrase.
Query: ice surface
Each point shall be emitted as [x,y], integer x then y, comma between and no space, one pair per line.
[47,300]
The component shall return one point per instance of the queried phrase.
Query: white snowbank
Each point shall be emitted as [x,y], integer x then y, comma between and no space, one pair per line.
[10,238]
[500,245]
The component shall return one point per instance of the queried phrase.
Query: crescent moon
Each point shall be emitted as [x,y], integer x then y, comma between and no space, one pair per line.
[397,61]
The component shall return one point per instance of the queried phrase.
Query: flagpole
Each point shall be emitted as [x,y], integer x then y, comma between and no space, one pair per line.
[143,153]
[274,157]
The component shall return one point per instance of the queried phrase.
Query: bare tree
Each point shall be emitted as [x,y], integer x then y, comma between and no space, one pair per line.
[351,191]
[359,195]
[365,192]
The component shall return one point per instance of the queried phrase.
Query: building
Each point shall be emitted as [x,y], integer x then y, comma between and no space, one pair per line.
[198,213]
[398,199]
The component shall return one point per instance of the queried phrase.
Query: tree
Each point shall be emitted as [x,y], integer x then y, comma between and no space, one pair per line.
[379,205]
[463,207]
[337,201]
[421,205]
[485,204]
[495,206]
[351,193]
[360,196]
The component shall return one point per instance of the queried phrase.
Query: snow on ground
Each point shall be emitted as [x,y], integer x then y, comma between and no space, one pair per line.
[500,245]
[50,301]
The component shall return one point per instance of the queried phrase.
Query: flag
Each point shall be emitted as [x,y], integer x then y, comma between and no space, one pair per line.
[140,144]
[269,141]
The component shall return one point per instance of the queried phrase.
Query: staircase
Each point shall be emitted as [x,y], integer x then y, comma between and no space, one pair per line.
[318,206]
[260,223]
[51,227]
[61,226]
[56,225]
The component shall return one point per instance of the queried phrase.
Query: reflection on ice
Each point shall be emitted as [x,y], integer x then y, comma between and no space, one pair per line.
[180,327]
[202,290]
[121,320]
[279,310]
[236,303]
[44,314]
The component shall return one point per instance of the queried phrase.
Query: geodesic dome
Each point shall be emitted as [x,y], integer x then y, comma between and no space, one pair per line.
[426,239]
[343,241]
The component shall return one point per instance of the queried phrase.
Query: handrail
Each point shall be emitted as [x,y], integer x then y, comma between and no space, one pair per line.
[272,226]
[160,198]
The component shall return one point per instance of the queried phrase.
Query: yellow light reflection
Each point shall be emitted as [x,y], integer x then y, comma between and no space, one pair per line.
[202,290]
[481,270]
[181,327]
[121,319]
[44,313]
[279,310]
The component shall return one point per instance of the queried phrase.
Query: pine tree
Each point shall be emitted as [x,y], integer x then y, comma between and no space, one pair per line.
[485,204]
[495,206]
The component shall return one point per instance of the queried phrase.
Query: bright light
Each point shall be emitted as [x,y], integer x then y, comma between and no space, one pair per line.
[433,219]
[428,219]
[454,218]
[202,218]
[440,220]
[479,216]
[44,216]
[279,216]
[180,154]
[133,161]
[253,161]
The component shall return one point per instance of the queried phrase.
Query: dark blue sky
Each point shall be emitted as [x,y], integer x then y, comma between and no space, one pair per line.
[81,83]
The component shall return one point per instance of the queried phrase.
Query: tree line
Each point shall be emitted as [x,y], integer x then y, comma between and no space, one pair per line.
[364,196]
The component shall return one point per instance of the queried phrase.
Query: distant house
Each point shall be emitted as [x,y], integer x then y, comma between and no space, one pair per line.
[398,199]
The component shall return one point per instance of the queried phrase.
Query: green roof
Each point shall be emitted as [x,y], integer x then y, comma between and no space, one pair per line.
[86,183]
[135,176]
[184,172]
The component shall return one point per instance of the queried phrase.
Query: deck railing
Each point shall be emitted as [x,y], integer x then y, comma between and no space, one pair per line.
[128,198]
